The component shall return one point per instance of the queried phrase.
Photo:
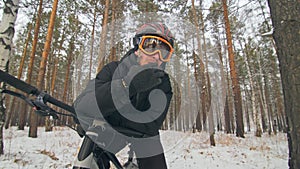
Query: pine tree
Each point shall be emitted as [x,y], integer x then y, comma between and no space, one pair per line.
[234,77]
[285,18]
[42,69]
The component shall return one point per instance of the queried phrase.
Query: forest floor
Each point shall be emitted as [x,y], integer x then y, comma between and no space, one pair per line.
[187,150]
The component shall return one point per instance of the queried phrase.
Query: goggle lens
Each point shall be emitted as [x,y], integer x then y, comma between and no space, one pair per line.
[153,44]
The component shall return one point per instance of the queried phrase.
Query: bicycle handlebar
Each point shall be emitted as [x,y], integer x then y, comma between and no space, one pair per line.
[44,98]
[17,83]
[27,88]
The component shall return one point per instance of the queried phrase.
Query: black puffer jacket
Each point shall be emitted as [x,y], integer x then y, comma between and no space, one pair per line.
[110,77]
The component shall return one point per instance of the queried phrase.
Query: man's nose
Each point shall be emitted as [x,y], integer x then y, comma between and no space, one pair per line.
[156,55]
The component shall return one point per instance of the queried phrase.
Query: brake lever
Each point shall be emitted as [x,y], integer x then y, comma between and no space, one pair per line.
[19,95]
[42,108]
[46,113]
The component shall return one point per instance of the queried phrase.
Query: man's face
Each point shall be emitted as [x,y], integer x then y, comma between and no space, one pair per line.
[146,59]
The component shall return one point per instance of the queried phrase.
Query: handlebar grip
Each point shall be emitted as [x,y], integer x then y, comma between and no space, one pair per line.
[60,104]
[18,84]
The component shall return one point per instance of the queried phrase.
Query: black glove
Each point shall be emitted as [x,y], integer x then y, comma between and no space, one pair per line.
[143,78]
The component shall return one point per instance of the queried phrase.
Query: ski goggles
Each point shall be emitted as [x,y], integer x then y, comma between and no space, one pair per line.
[151,45]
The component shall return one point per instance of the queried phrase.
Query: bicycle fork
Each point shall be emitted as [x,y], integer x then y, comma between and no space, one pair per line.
[85,157]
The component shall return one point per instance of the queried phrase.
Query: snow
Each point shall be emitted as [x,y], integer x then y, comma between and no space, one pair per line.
[187,150]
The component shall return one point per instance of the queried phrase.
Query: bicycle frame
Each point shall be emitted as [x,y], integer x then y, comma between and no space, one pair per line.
[86,156]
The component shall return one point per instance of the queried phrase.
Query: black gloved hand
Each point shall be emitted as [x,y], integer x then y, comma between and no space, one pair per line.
[143,78]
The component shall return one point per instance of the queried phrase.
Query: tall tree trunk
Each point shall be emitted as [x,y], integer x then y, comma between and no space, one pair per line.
[9,112]
[67,76]
[227,116]
[208,84]
[78,73]
[280,116]
[263,104]
[48,121]
[42,69]
[112,53]
[7,31]
[234,77]
[224,95]
[262,111]
[258,131]
[203,87]
[171,115]
[229,100]
[32,54]
[54,75]
[102,51]
[247,113]
[20,70]
[22,114]
[92,42]
[268,104]
[285,16]
[210,116]
[177,105]
[189,111]
[198,124]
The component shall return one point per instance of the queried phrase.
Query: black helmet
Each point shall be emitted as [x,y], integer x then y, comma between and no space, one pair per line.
[156,28]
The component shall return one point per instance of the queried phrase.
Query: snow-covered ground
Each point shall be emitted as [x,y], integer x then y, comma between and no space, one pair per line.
[187,150]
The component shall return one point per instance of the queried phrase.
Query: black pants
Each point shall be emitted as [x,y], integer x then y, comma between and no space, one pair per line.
[148,157]
[150,154]
[154,162]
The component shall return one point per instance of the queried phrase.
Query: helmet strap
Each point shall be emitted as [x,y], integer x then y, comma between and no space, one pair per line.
[135,41]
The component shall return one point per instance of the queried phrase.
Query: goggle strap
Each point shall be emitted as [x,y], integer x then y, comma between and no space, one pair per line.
[136,40]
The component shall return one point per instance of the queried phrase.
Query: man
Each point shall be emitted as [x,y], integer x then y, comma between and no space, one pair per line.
[127,94]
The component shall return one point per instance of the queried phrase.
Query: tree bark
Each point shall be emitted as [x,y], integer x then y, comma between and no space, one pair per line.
[112,53]
[7,31]
[280,116]
[258,132]
[9,113]
[209,107]
[92,42]
[42,69]
[32,54]
[200,61]
[198,124]
[102,51]
[285,16]
[34,42]
[56,61]
[67,76]
[234,77]
[22,116]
